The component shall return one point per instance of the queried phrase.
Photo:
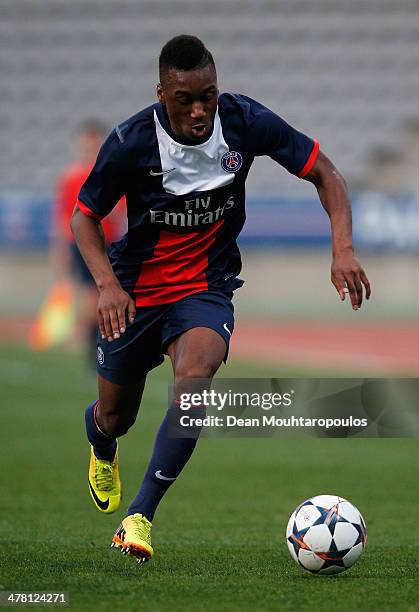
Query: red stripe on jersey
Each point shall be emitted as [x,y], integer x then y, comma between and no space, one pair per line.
[86,210]
[177,268]
[311,160]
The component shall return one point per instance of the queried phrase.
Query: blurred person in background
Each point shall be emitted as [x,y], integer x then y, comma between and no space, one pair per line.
[68,265]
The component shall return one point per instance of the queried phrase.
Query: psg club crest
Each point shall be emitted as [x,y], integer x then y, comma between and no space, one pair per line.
[231,161]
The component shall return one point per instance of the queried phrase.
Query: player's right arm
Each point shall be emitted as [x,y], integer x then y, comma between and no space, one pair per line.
[100,193]
[113,301]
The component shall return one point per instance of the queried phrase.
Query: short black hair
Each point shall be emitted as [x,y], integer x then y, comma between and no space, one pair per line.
[184,52]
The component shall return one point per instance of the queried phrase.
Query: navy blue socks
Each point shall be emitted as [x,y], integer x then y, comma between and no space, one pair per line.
[172,449]
[170,455]
[104,445]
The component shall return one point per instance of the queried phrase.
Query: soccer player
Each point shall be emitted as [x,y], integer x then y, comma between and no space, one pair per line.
[65,255]
[167,287]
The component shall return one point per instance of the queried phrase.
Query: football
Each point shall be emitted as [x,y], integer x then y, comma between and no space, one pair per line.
[326,534]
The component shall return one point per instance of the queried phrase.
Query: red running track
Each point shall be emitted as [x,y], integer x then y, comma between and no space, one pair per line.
[377,348]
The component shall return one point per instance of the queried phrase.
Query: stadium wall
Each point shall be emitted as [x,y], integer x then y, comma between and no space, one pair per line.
[381,222]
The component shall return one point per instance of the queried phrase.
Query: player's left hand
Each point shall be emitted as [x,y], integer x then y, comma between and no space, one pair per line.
[348,276]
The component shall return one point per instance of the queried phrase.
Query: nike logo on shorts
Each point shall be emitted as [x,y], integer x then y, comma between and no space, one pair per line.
[159,475]
[226,328]
[153,173]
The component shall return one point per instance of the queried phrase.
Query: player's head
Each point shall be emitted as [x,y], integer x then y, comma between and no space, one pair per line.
[188,87]
[90,136]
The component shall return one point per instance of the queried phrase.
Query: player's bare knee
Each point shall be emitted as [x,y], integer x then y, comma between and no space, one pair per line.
[196,370]
[192,378]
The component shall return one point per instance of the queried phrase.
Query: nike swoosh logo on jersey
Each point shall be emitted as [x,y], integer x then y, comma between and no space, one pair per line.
[100,503]
[226,328]
[159,475]
[153,173]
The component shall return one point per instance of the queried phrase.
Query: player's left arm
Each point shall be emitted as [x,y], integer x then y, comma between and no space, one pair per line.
[347,272]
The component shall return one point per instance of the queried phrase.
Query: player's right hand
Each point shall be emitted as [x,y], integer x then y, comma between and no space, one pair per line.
[113,303]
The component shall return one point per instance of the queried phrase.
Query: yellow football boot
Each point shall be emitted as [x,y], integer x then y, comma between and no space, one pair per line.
[133,537]
[104,483]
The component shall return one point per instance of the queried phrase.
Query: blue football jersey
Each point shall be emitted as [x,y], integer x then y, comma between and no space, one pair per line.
[186,203]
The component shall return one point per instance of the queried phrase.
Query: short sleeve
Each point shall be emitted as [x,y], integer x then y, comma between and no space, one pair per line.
[105,184]
[270,135]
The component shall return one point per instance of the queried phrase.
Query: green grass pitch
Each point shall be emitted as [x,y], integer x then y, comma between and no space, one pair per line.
[219,532]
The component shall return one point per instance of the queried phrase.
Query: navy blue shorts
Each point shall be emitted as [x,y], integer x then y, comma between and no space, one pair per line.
[144,343]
